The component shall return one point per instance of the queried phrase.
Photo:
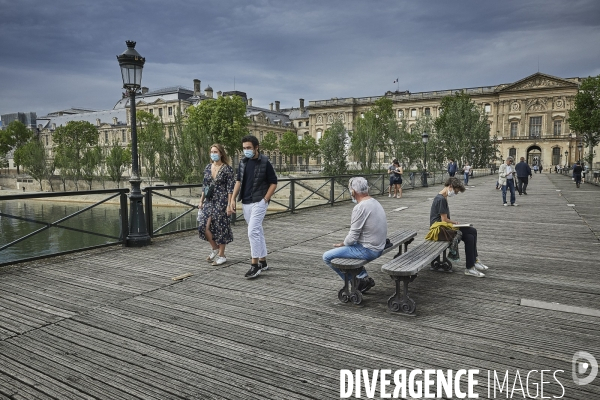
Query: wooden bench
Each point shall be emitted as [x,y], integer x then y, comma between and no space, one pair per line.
[351,266]
[404,269]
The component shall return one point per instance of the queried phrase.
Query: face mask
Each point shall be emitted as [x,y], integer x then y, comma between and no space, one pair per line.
[214,156]
[451,193]
[249,153]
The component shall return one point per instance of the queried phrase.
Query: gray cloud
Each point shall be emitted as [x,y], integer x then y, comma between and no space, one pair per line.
[61,54]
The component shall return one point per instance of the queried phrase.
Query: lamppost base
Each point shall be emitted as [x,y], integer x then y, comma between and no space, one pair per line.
[138,241]
[424,179]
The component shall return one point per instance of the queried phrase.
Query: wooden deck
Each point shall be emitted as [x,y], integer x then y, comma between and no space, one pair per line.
[111,324]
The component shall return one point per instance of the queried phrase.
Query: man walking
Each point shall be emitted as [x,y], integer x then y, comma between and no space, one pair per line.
[452,167]
[367,235]
[391,170]
[523,175]
[256,183]
[506,178]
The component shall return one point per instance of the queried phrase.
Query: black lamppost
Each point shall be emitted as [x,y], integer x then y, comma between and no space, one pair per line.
[566,166]
[425,138]
[132,63]
[472,155]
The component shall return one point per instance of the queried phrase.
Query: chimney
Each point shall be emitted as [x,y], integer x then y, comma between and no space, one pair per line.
[196,87]
[219,93]
[144,90]
[250,102]
[301,105]
[97,121]
[208,92]
[115,120]
[271,105]
[277,105]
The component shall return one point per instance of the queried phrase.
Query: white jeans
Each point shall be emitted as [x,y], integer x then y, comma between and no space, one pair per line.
[254,214]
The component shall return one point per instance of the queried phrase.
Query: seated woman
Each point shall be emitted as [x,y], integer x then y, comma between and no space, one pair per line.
[440,212]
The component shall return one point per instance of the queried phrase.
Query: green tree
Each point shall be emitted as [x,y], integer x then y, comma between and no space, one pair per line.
[269,142]
[308,147]
[35,160]
[92,157]
[72,140]
[191,161]
[117,161]
[222,120]
[288,145]
[18,136]
[366,140]
[168,163]
[584,117]
[150,135]
[463,125]
[333,149]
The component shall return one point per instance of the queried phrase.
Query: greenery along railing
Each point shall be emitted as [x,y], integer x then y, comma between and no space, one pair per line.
[32,227]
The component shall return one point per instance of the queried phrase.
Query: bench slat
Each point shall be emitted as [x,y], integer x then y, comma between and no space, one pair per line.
[411,262]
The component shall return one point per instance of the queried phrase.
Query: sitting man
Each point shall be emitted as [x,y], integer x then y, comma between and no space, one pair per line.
[367,235]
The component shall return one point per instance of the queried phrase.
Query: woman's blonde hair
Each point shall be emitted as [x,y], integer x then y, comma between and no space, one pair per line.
[224,156]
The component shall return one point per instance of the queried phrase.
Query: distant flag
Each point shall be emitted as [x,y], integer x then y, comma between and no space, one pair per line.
[396,81]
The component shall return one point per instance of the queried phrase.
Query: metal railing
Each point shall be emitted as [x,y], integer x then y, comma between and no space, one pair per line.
[44,247]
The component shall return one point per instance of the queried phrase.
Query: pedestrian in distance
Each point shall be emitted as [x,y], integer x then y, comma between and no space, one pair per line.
[214,223]
[506,178]
[367,236]
[397,175]
[440,212]
[535,169]
[452,167]
[466,172]
[523,175]
[391,169]
[255,184]
[577,170]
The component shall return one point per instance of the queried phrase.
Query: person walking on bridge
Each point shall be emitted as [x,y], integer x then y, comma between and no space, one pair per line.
[577,170]
[523,175]
[506,178]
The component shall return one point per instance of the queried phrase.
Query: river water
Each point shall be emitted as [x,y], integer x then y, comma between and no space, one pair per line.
[102,219]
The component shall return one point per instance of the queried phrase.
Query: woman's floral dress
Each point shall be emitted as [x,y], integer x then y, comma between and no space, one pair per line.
[216,207]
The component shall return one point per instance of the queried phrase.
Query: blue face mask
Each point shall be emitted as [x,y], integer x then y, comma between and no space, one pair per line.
[214,156]
[249,153]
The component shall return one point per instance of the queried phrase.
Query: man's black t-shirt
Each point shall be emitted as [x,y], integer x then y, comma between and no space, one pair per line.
[246,188]
[577,169]
[438,207]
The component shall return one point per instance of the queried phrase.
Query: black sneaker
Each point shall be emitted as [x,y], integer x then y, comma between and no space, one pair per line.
[253,272]
[263,265]
[364,284]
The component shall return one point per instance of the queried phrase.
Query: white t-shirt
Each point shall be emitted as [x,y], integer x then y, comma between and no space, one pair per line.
[467,169]
[509,169]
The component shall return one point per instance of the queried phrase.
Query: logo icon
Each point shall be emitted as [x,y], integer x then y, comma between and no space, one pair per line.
[583,363]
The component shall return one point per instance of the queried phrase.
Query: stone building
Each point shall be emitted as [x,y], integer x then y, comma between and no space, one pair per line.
[527,117]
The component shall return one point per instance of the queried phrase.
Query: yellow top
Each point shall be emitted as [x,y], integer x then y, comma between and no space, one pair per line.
[434,230]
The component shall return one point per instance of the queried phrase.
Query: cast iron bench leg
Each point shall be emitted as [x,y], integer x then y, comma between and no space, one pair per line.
[439,264]
[402,302]
[345,294]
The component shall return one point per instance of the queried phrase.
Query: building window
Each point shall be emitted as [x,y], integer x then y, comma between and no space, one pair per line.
[151,111]
[319,135]
[105,137]
[514,129]
[261,135]
[413,112]
[46,140]
[556,156]
[557,128]
[513,153]
[535,127]
[400,114]
[427,111]
[306,123]
[487,108]
[170,110]
[160,112]
[299,123]
[123,136]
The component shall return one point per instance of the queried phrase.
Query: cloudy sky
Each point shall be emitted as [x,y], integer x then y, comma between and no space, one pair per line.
[61,53]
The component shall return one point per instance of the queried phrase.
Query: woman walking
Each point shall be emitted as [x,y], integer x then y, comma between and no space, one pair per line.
[467,171]
[213,218]
[397,179]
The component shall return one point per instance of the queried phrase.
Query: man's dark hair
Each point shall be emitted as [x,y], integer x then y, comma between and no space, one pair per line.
[456,184]
[250,138]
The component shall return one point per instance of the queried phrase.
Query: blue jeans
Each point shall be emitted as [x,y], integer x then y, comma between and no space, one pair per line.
[357,250]
[466,178]
[510,184]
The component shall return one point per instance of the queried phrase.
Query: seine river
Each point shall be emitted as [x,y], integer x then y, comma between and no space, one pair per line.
[103,219]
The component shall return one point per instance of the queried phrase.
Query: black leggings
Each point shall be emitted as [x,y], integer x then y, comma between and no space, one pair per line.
[469,237]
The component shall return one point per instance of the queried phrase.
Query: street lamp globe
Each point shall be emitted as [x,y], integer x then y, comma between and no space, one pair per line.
[425,137]
[132,64]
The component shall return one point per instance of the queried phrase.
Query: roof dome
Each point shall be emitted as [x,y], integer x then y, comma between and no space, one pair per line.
[208,88]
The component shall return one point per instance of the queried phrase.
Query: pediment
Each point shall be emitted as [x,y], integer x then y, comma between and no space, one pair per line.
[539,81]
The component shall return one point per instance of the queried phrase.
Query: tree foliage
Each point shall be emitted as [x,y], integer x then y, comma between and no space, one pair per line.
[269,142]
[15,136]
[308,147]
[461,126]
[117,161]
[71,141]
[333,149]
[35,160]
[92,158]
[150,133]
[584,117]
[289,145]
